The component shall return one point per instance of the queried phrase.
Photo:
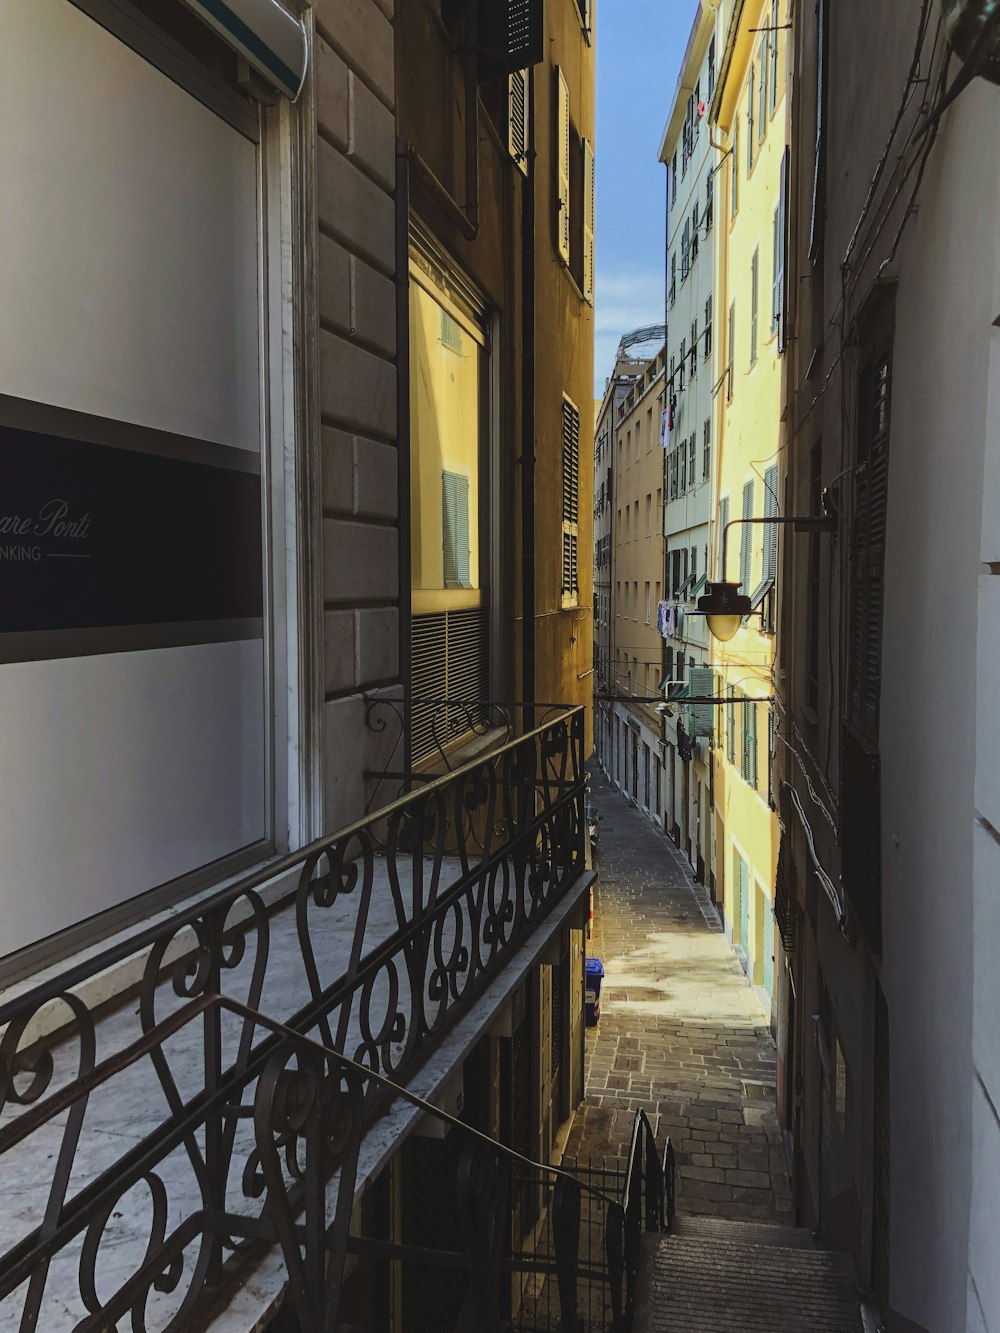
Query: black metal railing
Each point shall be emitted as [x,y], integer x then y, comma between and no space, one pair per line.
[149,1149]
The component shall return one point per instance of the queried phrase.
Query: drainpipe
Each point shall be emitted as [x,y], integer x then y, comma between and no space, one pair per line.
[528,423]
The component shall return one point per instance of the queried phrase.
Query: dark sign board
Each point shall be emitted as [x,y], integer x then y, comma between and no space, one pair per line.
[93,536]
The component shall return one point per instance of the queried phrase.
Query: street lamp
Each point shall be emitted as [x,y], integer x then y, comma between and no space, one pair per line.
[723,605]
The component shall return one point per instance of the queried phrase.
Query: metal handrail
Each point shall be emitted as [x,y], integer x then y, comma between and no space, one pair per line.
[488,850]
[132,944]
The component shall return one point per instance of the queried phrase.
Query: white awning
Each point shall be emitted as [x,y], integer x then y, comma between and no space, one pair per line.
[265,34]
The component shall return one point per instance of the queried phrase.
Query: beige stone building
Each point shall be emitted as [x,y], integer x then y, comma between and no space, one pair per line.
[637,588]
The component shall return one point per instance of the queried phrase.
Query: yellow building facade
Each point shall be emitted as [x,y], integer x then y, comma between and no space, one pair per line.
[748,120]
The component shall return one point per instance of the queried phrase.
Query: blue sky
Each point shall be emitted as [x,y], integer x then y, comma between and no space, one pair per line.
[640,44]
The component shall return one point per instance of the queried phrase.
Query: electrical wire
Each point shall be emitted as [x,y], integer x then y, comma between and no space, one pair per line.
[824,878]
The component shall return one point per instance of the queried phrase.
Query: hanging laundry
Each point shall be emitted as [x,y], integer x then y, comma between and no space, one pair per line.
[661,618]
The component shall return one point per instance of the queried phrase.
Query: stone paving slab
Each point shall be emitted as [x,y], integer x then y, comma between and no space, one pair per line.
[681,1034]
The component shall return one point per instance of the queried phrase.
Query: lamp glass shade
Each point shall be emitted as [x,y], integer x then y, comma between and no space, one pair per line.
[723,626]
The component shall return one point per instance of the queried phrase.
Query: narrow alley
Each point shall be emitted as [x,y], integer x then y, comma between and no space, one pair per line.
[681,1033]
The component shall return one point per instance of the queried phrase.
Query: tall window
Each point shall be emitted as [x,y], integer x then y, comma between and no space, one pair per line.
[734,173]
[762,100]
[709,199]
[812,644]
[746,536]
[693,354]
[450,621]
[754,302]
[731,349]
[570,502]
[711,67]
[692,449]
[748,765]
[648,595]
[673,179]
[778,303]
[769,570]
[751,86]
[775,35]
[731,726]
[706,449]
[708,328]
[868,539]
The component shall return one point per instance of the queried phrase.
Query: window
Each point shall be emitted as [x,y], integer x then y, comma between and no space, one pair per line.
[706,449]
[692,449]
[518,113]
[669,660]
[562,167]
[775,37]
[731,726]
[649,514]
[682,361]
[754,297]
[762,102]
[673,179]
[673,277]
[709,200]
[708,328]
[746,536]
[751,85]
[748,756]
[812,644]
[570,502]
[673,475]
[778,302]
[723,521]
[647,602]
[731,349]
[586,18]
[635,606]
[868,540]
[711,67]
[734,173]
[659,513]
[819,156]
[455,529]
[682,465]
[769,568]
[685,250]
[693,355]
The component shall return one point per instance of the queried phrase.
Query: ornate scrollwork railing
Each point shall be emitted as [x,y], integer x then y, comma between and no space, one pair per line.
[148,1149]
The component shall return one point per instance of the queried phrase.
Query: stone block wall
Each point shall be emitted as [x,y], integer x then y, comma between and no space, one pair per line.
[356,353]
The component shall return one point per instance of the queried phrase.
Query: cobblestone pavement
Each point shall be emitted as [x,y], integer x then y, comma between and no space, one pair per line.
[681,1032]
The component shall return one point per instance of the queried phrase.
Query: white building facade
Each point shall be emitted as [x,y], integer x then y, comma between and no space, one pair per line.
[690,160]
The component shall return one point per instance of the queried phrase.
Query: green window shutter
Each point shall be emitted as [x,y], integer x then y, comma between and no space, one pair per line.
[723,520]
[746,536]
[770,570]
[731,726]
[455,529]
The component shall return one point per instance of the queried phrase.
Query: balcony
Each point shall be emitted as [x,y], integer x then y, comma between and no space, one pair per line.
[171,1155]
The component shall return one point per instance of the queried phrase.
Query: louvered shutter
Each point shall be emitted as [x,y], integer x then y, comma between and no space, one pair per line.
[770,569]
[455,529]
[702,720]
[870,508]
[562,166]
[780,294]
[449,535]
[462,552]
[588,221]
[723,520]
[570,502]
[746,536]
[518,111]
[511,36]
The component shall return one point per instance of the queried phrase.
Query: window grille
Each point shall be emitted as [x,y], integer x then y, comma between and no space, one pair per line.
[570,502]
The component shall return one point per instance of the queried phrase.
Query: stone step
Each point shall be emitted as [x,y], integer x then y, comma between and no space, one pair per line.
[719,1285]
[694,1226]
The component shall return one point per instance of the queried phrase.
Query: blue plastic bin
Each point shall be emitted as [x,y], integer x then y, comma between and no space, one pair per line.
[595,975]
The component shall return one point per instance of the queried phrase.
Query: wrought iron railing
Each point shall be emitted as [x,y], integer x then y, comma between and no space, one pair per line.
[147,1152]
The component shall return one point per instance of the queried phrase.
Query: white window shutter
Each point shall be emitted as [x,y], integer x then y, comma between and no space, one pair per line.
[448,529]
[589,226]
[518,111]
[562,166]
